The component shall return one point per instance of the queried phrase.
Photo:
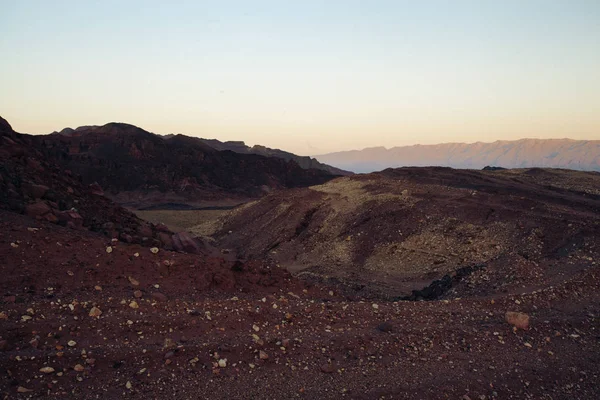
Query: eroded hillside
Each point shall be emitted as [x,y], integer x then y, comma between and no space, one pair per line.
[396,231]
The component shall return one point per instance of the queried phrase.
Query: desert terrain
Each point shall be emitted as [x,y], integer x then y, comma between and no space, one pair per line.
[428,283]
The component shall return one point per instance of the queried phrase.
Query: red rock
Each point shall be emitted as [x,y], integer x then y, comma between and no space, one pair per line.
[50,217]
[183,241]
[145,230]
[39,208]
[159,296]
[35,191]
[327,368]
[71,216]
[96,189]
[162,228]
[165,240]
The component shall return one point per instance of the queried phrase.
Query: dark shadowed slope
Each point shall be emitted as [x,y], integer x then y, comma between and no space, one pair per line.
[304,161]
[35,186]
[135,166]
[525,153]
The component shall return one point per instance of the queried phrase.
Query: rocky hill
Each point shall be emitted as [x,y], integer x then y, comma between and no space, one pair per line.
[303,161]
[88,311]
[398,230]
[136,167]
[33,185]
[525,153]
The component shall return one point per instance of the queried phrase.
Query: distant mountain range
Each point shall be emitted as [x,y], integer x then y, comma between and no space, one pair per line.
[524,153]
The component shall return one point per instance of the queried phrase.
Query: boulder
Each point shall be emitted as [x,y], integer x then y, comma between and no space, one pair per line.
[37,209]
[165,239]
[145,230]
[70,218]
[34,191]
[185,242]
[162,228]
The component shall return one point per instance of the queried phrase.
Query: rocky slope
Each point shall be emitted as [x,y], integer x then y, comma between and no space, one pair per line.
[88,310]
[394,232]
[78,322]
[525,153]
[138,168]
[34,185]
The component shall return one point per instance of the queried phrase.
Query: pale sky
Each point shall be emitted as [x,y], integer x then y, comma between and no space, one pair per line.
[306,76]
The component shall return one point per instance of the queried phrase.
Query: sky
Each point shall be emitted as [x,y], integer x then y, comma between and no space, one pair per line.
[307,76]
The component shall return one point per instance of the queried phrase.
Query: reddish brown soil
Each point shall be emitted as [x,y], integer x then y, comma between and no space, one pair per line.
[318,345]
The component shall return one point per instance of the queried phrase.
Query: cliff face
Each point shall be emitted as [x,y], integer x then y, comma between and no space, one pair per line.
[525,153]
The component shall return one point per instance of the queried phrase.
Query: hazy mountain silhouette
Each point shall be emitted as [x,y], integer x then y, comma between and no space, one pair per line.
[524,153]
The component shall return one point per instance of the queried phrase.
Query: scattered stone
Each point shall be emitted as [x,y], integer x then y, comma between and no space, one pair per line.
[517,319]
[133,281]
[128,385]
[3,315]
[154,250]
[37,209]
[134,305]
[95,312]
[327,368]
[263,355]
[385,327]
[222,362]
[137,294]
[79,368]
[109,249]
[375,306]
[159,297]
[47,370]
[22,389]
[72,343]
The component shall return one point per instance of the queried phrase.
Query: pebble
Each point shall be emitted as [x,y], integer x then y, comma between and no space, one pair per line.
[22,389]
[72,343]
[517,319]
[222,362]
[95,312]
[137,294]
[263,355]
[79,368]
[109,249]
[133,281]
[376,306]
[47,370]
[154,250]
[134,305]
